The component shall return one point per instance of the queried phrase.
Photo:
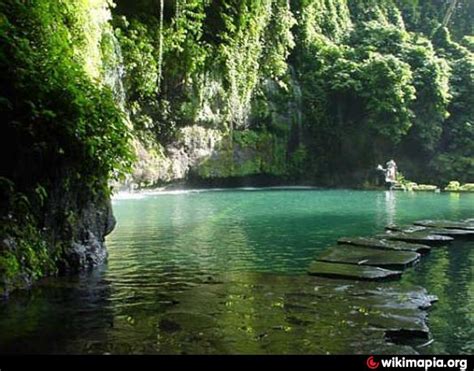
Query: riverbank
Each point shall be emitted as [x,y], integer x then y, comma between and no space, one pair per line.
[183,187]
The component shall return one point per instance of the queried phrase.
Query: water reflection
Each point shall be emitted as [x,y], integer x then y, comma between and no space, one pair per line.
[448,273]
[390,206]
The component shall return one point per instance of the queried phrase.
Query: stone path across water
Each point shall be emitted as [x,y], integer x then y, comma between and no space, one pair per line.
[366,259]
[398,248]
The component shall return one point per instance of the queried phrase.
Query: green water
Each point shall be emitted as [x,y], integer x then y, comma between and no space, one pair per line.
[168,244]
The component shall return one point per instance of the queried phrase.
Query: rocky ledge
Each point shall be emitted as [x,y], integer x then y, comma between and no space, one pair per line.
[87,249]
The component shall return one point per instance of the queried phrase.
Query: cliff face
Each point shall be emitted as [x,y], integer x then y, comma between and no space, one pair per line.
[316,91]
[64,136]
[67,236]
[200,85]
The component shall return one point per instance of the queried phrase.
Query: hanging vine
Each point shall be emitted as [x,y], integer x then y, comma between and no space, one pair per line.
[177,11]
[160,46]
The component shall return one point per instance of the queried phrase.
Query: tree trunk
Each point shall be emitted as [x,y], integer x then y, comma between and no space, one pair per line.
[449,12]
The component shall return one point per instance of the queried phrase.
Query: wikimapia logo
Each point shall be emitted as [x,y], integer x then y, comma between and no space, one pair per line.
[371,363]
[402,362]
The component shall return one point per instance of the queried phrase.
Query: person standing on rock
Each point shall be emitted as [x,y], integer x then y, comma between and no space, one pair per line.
[390,173]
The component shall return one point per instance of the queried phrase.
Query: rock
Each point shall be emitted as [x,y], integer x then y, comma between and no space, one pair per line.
[384,244]
[468,187]
[90,253]
[348,254]
[110,221]
[455,186]
[201,154]
[437,231]
[447,224]
[174,321]
[88,250]
[425,188]
[402,335]
[350,271]
[418,237]
[405,229]
[169,326]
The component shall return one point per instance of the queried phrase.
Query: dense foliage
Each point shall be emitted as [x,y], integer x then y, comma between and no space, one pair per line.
[63,136]
[344,84]
[305,90]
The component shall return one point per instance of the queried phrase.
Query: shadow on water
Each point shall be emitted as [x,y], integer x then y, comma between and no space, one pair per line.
[57,314]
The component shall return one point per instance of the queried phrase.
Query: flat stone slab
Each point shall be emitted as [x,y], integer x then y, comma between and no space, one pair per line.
[351,271]
[384,244]
[439,231]
[418,237]
[348,254]
[448,224]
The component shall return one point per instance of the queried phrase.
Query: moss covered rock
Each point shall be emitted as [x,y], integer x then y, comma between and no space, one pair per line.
[455,186]
[425,187]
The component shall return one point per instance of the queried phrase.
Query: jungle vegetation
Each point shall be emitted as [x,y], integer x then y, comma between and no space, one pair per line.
[324,88]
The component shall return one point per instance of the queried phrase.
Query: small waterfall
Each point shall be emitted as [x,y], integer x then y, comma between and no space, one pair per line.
[114,69]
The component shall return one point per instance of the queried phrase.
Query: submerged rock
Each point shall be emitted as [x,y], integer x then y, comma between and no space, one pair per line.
[351,271]
[436,231]
[169,326]
[448,224]
[365,256]
[418,237]
[384,244]
[258,313]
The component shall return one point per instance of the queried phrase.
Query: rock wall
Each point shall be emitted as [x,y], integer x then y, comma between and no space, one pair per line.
[208,154]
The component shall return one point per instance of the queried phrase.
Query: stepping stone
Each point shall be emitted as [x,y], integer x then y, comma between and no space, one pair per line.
[405,229]
[384,244]
[348,254]
[418,237]
[446,224]
[438,231]
[414,328]
[351,271]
